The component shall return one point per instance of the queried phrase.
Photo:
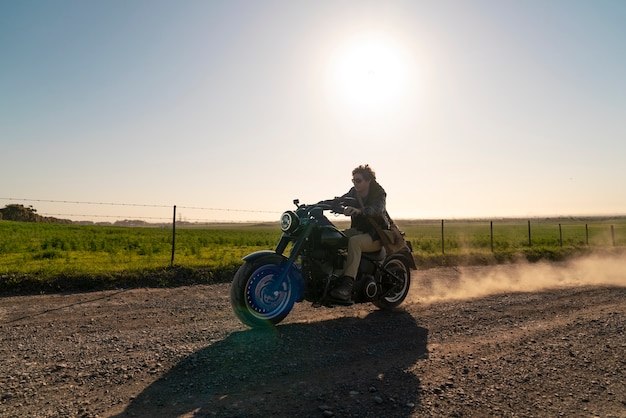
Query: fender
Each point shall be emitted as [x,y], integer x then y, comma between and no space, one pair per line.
[294,274]
[406,256]
[253,257]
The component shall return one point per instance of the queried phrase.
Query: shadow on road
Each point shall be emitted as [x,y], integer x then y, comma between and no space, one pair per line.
[351,366]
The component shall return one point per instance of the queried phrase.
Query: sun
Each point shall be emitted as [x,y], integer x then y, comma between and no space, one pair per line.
[368,74]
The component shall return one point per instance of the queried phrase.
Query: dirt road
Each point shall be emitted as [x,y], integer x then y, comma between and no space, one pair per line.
[517,340]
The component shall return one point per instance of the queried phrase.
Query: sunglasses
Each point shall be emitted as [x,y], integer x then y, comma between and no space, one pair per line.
[357,180]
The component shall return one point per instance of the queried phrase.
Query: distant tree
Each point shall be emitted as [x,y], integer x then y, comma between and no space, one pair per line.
[131,222]
[21,213]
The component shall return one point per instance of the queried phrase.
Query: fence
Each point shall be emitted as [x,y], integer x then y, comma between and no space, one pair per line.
[428,236]
[505,234]
[135,213]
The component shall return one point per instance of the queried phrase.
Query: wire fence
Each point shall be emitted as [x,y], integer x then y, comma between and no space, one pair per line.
[428,236]
[445,236]
[150,213]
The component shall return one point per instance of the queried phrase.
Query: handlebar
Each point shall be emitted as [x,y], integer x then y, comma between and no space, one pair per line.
[337,204]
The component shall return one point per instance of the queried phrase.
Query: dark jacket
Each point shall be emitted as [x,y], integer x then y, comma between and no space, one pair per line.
[373,207]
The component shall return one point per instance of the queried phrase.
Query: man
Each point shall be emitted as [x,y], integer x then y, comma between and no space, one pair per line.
[371,199]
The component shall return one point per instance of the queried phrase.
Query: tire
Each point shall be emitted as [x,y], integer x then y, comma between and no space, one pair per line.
[397,291]
[250,296]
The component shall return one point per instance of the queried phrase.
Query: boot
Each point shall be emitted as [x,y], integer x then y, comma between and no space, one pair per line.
[343,291]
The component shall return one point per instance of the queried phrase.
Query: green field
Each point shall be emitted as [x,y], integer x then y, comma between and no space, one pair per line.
[69,256]
[507,240]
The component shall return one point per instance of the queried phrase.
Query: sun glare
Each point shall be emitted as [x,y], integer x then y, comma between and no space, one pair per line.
[368,75]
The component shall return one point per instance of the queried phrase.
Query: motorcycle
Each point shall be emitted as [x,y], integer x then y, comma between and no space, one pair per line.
[269,283]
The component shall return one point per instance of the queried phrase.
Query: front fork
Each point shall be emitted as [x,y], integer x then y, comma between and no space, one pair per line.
[293,255]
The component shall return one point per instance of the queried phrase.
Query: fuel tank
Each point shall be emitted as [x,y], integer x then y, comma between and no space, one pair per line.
[332,237]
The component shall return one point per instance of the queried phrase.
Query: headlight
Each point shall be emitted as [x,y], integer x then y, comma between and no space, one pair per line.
[289,221]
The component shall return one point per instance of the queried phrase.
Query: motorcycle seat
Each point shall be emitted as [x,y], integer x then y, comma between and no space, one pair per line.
[376,255]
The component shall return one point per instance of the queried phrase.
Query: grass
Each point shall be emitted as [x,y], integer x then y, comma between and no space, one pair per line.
[487,242]
[52,257]
[61,257]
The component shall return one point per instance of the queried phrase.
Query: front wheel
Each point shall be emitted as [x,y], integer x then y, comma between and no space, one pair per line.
[256,297]
[395,280]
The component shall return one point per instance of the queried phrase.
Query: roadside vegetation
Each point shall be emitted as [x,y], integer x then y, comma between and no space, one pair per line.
[50,257]
[484,242]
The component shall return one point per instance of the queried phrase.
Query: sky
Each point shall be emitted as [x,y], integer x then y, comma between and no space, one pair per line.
[231,109]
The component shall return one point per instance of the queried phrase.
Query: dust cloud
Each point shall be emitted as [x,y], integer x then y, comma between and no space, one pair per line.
[470,282]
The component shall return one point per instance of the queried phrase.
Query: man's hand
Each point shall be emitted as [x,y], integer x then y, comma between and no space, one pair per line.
[349,211]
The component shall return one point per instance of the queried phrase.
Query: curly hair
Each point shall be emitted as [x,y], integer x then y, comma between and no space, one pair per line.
[366,171]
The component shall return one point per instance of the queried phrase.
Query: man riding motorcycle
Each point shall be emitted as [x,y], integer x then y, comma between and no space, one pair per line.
[371,199]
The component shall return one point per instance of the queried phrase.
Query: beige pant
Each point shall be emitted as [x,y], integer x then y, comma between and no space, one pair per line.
[358,243]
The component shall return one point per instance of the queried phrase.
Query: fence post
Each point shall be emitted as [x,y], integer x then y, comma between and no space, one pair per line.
[587,234]
[443,250]
[530,243]
[491,234]
[173,237]
[613,235]
[560,236]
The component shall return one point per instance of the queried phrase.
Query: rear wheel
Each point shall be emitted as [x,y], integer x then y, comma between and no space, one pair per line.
[394,284]
[257,298]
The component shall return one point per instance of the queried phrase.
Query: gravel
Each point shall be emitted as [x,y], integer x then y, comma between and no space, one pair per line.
[181,352]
